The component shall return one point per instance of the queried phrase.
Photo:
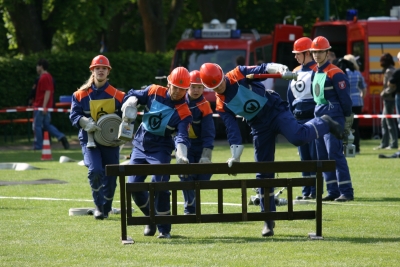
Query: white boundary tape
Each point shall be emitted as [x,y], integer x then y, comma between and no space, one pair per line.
[360,116]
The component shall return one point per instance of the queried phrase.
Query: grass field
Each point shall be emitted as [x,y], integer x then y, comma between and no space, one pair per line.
[36,229]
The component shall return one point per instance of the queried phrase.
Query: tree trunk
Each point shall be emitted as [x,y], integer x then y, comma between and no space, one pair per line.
[27,24]
[153,25]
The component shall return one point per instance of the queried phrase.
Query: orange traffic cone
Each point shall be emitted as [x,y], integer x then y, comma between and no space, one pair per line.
[46,149]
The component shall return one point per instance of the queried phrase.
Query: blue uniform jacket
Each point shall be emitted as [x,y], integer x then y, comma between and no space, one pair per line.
[336,92]
[179,122]
[302,105]
[80,104]
[203,123]
[233,79]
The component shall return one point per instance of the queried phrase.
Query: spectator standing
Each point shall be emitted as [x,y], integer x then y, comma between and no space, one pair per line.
[394,84]
[332,57]
[389,128]
[44,99]
[357,93]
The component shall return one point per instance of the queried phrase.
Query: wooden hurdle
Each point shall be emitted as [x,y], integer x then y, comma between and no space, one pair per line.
[126,190]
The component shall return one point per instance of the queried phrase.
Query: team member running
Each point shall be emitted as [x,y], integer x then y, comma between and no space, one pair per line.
[266,114]
[94,99]
[166,113]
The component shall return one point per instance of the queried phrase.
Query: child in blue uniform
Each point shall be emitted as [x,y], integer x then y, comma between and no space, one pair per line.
[302,105]
[331,91]
[265,113]
[201,134]
[92,100]
[166,112]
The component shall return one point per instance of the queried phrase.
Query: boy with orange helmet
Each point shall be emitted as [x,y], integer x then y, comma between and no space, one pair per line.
[166,113]
[265,113]
[331,92]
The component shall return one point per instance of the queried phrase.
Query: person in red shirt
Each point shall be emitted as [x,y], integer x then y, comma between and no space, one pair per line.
[44,99]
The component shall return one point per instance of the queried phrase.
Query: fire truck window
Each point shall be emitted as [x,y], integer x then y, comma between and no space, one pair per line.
[335,34]
[259,54]
[193,59]
[285,55]
[358,51]
[251,59]
[267,53]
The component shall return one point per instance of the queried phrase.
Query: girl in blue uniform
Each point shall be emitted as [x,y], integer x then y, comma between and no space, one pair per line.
[92,100]
[166,113]
[265,113]
[201,134]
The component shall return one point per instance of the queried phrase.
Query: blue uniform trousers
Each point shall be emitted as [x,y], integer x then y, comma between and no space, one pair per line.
[308,152]
[103,187]
[189,197]
[330,148]
[161,198]
[280,120]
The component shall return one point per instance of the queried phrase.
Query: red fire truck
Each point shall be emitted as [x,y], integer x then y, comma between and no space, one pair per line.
[223,43]
[366,39]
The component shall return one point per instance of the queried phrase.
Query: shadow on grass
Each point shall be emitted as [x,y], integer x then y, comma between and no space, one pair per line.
[376,199]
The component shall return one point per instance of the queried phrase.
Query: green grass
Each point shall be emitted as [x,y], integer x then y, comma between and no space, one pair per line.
[37,232]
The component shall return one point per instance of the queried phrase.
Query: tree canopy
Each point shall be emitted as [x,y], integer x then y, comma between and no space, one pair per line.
[31,26]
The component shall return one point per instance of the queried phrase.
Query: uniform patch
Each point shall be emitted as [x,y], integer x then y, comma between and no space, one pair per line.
[342,85]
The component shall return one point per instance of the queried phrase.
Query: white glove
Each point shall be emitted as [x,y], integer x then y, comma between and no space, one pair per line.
[206,156]
[181,154]
[276,68]
[131,102]
[236,151]
[89,125]
[129,114]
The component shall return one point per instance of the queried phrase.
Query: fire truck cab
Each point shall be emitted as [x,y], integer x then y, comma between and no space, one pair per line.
[223,43]
[366,39]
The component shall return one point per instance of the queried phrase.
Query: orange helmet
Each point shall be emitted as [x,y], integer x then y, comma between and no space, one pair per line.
[195,77]
[302,44]
[211,75]
[180,77]
[100,60]
[320,43]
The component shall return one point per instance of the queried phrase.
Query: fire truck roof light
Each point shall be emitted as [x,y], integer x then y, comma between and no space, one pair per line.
[215,29]
[351,13]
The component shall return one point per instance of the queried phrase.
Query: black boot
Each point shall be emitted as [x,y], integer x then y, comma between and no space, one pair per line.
[150,230]
[268,229]
[98,213]
[334,128]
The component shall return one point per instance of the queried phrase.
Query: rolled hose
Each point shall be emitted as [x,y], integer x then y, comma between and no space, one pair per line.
[109,125]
